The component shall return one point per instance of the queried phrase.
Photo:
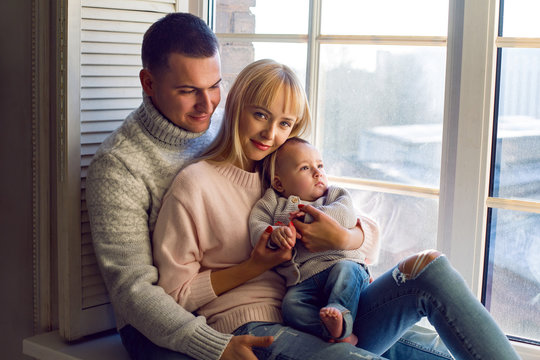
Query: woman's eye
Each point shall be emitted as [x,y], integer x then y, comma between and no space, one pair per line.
[285,124]
[260,115]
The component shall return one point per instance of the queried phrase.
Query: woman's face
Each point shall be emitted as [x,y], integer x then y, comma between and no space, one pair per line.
[263,130]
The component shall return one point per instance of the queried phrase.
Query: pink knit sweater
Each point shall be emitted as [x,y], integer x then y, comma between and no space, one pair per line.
[203,226]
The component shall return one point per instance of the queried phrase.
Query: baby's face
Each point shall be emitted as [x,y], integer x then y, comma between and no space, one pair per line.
[300,172]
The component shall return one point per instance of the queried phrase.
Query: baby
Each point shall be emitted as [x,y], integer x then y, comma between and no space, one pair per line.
[323,287]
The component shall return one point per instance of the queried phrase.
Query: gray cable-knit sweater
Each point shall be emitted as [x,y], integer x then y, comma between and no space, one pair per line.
[126,182]
[273,208]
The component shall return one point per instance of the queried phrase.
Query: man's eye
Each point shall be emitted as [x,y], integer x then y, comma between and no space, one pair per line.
[187,92]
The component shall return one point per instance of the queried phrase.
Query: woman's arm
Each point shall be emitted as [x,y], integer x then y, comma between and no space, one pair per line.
[262,259]
[325,233]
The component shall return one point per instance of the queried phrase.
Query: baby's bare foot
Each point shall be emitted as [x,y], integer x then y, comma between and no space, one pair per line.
[333,320]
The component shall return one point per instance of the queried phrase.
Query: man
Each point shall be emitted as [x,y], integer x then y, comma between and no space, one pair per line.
[128,177]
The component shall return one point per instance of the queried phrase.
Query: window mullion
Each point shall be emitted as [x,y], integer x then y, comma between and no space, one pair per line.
[312,73]
[467,136]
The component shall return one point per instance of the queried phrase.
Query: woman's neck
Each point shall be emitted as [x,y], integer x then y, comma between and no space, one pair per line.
[248,165]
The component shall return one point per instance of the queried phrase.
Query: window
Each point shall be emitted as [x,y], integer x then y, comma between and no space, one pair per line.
[512,283]
[376,91]
[403,93]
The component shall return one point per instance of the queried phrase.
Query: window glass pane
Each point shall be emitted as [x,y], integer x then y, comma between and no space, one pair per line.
[381,111]
[385,17]
[393,214]
[517,161]
[262,16]
[521,18]
[513,277]
[236,55]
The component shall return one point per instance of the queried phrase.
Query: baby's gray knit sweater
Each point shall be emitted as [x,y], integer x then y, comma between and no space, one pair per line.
[273,208]
[125,184]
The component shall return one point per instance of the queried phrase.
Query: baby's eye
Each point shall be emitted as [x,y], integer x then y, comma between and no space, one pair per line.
[320,166]
[305,167]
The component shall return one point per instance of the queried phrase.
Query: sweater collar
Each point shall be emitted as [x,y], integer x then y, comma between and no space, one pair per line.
[160,127]
[238,176]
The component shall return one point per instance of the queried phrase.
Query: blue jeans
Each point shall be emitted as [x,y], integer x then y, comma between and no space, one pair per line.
[339,286]
[391,304]
[387,311]
[291,344]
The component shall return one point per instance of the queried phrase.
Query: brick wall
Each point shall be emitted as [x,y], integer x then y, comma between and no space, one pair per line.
[234,16]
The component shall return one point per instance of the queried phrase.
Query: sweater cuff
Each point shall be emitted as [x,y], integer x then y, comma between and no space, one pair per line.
[371,245]
[202,291]
[207,343]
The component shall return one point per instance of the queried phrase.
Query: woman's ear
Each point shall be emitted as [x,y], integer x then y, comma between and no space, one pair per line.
[277,185]
[147,81]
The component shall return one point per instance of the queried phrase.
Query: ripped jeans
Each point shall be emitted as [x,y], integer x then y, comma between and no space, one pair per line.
[388,309]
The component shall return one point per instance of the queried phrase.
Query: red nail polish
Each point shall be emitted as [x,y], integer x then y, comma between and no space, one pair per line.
[300,206]
[269,229]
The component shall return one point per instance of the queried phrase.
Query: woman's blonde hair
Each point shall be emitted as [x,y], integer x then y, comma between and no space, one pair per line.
[258,84]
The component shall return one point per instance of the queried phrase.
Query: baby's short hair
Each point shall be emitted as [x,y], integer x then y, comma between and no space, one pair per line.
[269,163]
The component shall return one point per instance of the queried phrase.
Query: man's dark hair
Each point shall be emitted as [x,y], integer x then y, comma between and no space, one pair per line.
[180,33]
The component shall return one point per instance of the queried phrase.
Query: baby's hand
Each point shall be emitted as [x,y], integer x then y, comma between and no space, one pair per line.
[297,215]
[284,237]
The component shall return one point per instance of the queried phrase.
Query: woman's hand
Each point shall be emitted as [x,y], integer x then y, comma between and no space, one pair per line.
[239,348]
[266,258]
[325,233]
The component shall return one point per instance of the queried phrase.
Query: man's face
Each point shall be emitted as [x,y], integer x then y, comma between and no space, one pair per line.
[187,92]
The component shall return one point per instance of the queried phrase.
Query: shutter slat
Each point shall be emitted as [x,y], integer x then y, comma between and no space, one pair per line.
[108,37]
[121,15]
[99,59]
[108,93]
[111,81]
[105,126]
[104,70]
[101,116]
[114,26]
[134,5]
[110,48]
[110,104]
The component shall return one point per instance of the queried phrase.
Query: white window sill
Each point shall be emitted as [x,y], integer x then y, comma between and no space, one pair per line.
[50,346]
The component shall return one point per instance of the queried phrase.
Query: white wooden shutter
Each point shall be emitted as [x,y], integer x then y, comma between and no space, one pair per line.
[106,89]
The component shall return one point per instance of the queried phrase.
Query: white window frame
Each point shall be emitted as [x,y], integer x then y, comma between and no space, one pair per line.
[472,44]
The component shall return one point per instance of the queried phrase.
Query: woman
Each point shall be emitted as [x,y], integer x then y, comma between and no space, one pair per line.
[206,263]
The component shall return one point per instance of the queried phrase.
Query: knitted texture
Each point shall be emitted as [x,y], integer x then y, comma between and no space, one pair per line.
[126,181]
[337,203]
